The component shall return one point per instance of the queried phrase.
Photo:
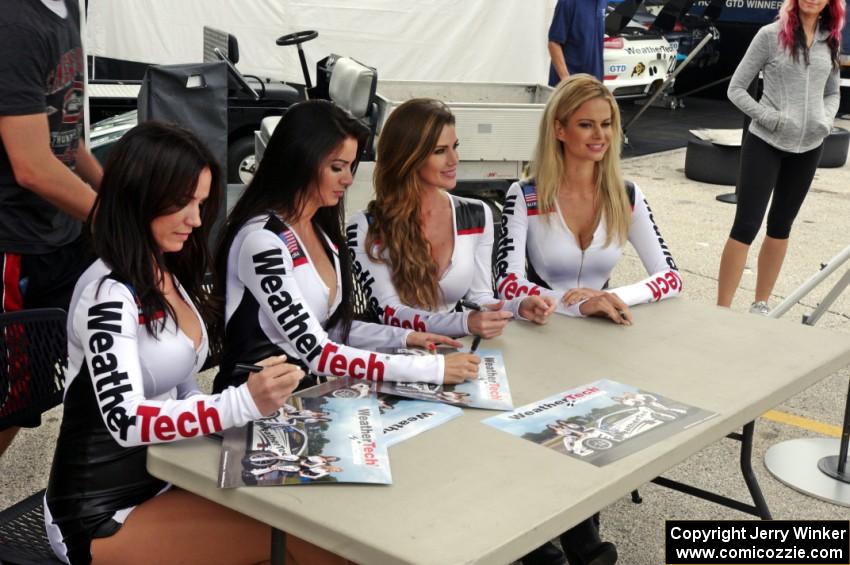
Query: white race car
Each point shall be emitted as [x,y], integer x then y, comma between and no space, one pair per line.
[636,62]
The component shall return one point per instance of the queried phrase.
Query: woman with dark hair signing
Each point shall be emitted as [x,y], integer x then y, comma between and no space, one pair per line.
[419,250]
[285,272]
[798,58]
[136,337]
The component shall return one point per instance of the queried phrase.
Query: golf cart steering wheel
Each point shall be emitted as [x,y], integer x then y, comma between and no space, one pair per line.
[297,38]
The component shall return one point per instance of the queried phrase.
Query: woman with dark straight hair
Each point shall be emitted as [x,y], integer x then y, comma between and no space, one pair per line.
[136,337]
[285,274]
[798,58]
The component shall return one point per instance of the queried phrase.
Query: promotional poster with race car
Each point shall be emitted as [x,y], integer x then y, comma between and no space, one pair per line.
[310,440]
[489,391]
[600,422]
[401,418]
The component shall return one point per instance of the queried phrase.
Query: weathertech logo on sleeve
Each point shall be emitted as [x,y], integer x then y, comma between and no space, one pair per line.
[361,275]
[365,280]
[112,387]
[390,319]
[203,420]
[666,250]
[662,285]
[110,384]
[509,286]
[294,319]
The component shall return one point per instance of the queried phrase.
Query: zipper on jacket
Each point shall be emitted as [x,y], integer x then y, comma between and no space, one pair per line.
[805,109]
[580,267]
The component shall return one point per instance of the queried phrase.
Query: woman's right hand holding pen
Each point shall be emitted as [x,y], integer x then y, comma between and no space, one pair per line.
[490,321]
[271,387]
[460,367]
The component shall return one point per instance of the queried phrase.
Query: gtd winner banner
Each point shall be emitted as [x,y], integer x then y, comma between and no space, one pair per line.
[600,422]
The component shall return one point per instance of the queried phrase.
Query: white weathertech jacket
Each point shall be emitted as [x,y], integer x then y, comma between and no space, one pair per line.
[469,274]
[277,303]
[556,264]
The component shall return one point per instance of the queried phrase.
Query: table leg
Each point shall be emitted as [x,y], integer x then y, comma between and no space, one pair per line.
[749,475]
[759,508]
[278,556]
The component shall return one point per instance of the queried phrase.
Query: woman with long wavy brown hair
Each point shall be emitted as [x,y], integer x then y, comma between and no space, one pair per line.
[418,250]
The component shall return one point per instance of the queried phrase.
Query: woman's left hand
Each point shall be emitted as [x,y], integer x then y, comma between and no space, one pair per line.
[427,340]
[576,295]
[537,308]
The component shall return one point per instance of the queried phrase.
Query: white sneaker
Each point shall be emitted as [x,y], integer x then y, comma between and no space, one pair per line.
[761,308]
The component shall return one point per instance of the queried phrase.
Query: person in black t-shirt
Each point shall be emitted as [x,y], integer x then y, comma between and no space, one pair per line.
[47,176]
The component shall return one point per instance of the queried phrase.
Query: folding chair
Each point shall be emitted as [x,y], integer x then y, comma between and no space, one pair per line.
[33,358]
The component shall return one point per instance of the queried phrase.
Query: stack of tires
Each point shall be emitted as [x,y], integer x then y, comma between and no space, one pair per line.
[718,164]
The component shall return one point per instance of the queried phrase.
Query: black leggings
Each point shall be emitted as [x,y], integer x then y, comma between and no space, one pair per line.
[765,168]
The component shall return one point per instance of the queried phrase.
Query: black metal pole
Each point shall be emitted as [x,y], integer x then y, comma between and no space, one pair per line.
[303,59]
[732,197]
[749,476]
[836,466]
[845,437]
[278,553]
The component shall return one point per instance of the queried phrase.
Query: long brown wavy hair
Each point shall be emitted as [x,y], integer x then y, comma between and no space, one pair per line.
[407,139]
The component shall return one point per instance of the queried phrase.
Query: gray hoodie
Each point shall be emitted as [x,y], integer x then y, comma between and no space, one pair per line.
[799,102]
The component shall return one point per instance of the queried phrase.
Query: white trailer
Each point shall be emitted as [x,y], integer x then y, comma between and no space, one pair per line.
[497,125]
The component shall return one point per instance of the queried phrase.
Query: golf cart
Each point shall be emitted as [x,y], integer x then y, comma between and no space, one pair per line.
[250,100]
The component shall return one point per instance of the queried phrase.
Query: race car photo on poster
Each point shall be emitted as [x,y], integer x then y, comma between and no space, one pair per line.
[489,391]
[401,418]
[309,440]
[600,422]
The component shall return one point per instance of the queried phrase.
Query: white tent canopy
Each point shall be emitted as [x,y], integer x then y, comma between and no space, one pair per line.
[445,40]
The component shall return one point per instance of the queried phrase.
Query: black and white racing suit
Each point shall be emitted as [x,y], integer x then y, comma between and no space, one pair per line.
[557,264]
[124,389]
[469,274]
[277,303]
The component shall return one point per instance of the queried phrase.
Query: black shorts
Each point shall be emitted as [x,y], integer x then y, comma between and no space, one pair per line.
[35,281]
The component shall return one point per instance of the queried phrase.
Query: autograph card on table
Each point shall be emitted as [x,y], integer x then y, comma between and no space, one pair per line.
[309,440]
[401,418]
[600,422]
[490,390]
[404,418]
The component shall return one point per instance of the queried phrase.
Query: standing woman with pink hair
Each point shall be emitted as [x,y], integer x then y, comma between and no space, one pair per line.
[798,58]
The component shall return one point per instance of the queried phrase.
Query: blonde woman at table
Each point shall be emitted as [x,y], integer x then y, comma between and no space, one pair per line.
[136,337]
[798,58]
[420,252]
[285,274]
[565,227]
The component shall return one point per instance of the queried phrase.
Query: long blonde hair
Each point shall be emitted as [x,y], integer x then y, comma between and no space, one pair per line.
[547,168]
[407,139]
